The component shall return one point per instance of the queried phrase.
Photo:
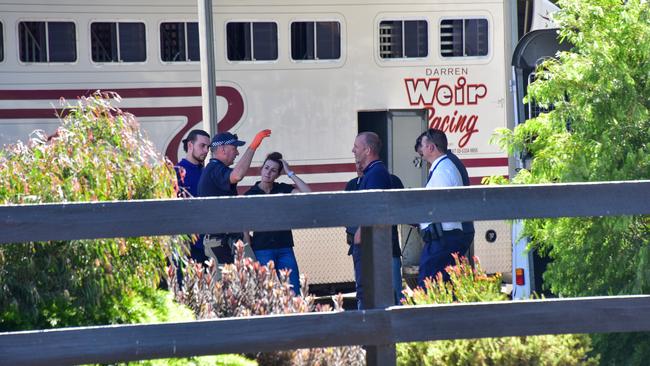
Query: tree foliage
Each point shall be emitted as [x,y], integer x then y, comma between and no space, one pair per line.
[97,154]
[598,130]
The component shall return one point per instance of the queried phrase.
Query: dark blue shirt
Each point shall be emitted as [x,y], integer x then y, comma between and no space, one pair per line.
[395,182]
[459,165]
[192,175]
[376,176]
[215,181]
[263,240]
[352,185]
[190,183]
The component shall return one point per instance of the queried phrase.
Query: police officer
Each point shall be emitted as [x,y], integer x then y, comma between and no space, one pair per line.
[468,226]
[441,240]
[219,179]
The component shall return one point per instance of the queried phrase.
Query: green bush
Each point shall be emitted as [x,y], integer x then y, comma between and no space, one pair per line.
[97,154]
[222,360]
[469,284]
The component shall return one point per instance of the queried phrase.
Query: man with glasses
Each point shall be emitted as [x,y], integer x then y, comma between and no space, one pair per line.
[468,226]
[441,240]
[219,180]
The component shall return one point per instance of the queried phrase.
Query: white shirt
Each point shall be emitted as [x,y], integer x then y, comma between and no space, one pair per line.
[444,174]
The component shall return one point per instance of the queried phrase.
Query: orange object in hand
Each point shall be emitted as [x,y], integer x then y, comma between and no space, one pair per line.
[259,137]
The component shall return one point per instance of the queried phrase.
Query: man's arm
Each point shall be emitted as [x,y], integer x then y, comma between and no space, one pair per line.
[239,172]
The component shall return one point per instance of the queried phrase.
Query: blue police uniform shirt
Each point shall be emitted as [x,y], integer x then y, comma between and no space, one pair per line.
[215,180]
[192,176]
[263,240]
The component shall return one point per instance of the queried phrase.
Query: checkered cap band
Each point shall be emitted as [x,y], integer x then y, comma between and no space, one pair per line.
[226,138]
[226,142]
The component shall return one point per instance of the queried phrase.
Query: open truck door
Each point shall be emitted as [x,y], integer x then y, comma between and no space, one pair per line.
[536,46]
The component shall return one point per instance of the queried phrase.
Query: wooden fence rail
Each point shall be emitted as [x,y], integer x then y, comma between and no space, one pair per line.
[67,221]
[377,326]
[380,327]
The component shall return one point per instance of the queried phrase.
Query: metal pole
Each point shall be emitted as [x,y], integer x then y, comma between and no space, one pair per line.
[208,74]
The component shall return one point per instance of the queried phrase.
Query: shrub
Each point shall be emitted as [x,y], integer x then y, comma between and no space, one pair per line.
[97,154]
[469,284]
[247,288]
[159,307]
[466,284]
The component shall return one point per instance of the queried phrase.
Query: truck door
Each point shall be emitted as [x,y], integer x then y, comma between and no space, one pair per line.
[527,265]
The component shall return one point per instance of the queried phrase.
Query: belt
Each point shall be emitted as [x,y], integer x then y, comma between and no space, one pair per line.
[223,236]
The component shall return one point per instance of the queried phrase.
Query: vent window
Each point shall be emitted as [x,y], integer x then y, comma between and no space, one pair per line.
[463,37]
[315,40]
[47,42]
[179,42]
[252,41]
[118,42]
[403,39]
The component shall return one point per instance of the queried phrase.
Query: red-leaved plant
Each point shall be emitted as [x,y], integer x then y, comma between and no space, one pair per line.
[247,288]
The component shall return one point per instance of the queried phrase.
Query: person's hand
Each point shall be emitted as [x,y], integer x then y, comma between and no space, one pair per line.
[357,237]
[285,166]
[259,137]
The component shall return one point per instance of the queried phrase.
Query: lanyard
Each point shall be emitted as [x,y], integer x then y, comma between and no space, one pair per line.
[434,168]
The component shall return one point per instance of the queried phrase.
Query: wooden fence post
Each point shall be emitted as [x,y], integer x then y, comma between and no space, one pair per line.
[376,277]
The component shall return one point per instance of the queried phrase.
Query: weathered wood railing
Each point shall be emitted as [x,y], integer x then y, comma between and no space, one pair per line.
[380,327]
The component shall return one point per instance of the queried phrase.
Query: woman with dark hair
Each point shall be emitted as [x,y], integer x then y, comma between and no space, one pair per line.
[276,245]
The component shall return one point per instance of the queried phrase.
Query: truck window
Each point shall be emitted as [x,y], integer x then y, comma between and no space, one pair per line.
[118,42]
[315,40]
[463,37]
[179,41]
[403,39]
[47,42]
[252,41]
